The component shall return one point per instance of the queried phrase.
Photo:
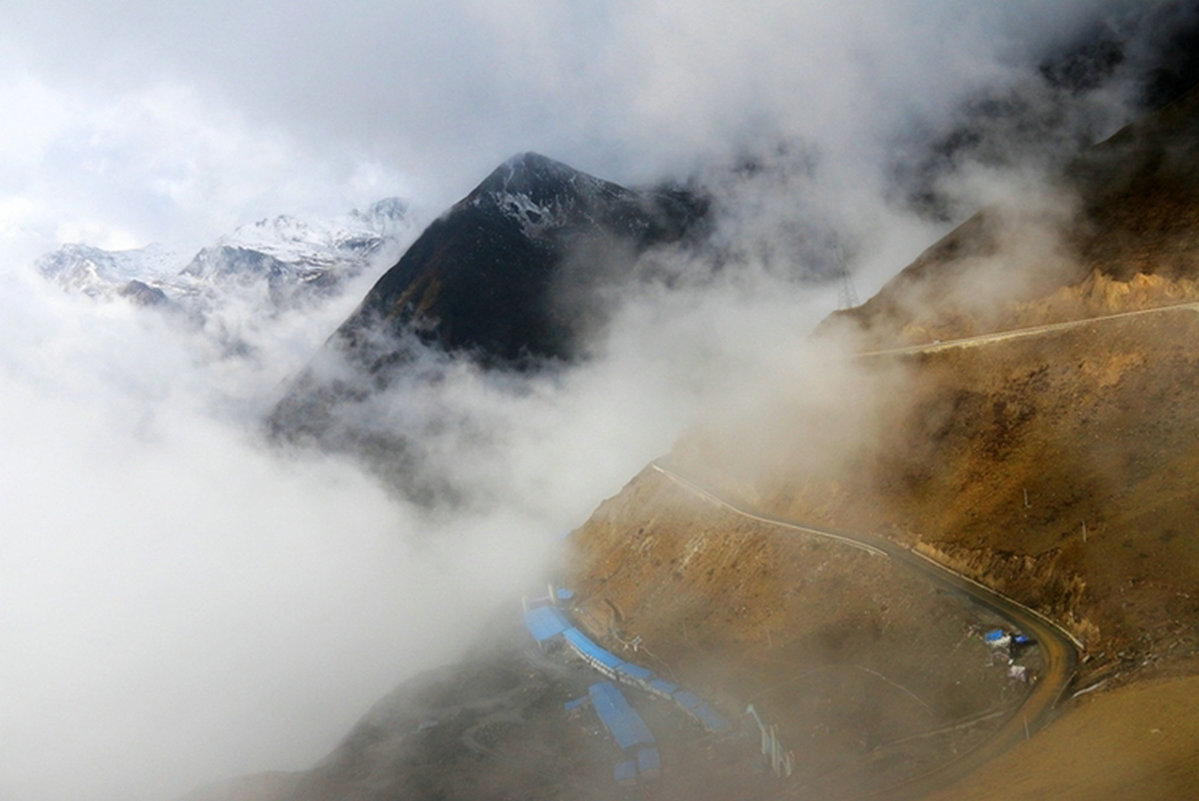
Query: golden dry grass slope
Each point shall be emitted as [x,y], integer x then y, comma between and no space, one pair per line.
[1061,468]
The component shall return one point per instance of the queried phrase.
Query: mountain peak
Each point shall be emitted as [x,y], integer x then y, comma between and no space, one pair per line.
[538,180]
[530,166]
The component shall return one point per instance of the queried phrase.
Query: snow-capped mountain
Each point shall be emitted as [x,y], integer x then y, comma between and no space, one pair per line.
[305,245]
[296,261]
[516,268]
[519,273]
[96,272]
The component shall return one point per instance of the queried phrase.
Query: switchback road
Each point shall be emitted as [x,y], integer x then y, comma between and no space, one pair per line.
[1059,649]
[1021,333]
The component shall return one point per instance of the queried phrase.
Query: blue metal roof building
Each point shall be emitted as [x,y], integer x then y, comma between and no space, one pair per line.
[625,725]
[622,721]
[602,660]
[687,700]
[545,622]
[633,674]
[710,719]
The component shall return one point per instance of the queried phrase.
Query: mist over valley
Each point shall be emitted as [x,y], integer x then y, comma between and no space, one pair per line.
[820,378]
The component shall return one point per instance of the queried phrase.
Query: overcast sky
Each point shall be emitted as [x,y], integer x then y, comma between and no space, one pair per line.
[138,121]
[180,604]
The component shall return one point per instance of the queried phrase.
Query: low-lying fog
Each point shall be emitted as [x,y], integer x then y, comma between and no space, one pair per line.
[181,603]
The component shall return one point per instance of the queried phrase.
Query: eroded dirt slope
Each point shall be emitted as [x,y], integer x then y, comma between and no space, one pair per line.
[864,668]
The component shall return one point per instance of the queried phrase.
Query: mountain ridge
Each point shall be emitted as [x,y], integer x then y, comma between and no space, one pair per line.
[514,276]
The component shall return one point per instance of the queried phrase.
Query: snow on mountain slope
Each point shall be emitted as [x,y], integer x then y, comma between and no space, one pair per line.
[318,243]
[250,283]
[288,261]
[96,272]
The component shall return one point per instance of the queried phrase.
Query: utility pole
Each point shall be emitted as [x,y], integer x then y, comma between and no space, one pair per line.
[847,296]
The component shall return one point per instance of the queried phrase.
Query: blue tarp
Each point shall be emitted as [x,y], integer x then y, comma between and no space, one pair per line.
[575,704]
[565,594]
[545,622]
[663,687]
[590,650]
[626,726]
[994,635]
[626,772]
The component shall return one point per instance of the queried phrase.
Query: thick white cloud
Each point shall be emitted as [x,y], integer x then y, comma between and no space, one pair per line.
[180,604]
[155,162]
[159,120]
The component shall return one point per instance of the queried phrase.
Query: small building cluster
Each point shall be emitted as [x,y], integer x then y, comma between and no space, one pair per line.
[547,623]
[1008,646]
[550,626]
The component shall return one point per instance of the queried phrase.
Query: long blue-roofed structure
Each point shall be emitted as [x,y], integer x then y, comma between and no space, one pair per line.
[601,659]
[548,622]
[625,725]
[545,622]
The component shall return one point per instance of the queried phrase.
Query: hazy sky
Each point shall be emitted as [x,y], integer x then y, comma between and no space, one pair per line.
[134,121]
[179,604]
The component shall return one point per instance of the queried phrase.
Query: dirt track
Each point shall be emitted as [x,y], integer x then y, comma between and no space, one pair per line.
[1020,333]
[1058,647]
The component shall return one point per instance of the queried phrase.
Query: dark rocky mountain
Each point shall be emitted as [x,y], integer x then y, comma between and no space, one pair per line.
[515,275]
[506,273]
[1149,51]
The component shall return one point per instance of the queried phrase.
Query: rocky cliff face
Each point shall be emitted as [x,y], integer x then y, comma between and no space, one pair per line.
[513,271]
[516,275]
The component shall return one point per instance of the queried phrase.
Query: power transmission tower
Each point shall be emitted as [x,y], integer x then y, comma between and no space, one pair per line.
[847,296]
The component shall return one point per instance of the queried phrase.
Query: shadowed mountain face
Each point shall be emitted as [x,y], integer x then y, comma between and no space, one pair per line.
[508,273]
[1114,230]
[516,275]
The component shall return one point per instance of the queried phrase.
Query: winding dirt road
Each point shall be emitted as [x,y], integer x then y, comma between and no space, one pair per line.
[1059,649]
[1021,333]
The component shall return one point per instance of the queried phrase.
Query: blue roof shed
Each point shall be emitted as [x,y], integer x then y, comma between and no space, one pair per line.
[589,650]
[626,726]
[545,622]
[634,672]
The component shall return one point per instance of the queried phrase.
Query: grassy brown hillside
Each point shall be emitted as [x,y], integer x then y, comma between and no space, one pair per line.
[1075,245]
[1060,466]
[996,458]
